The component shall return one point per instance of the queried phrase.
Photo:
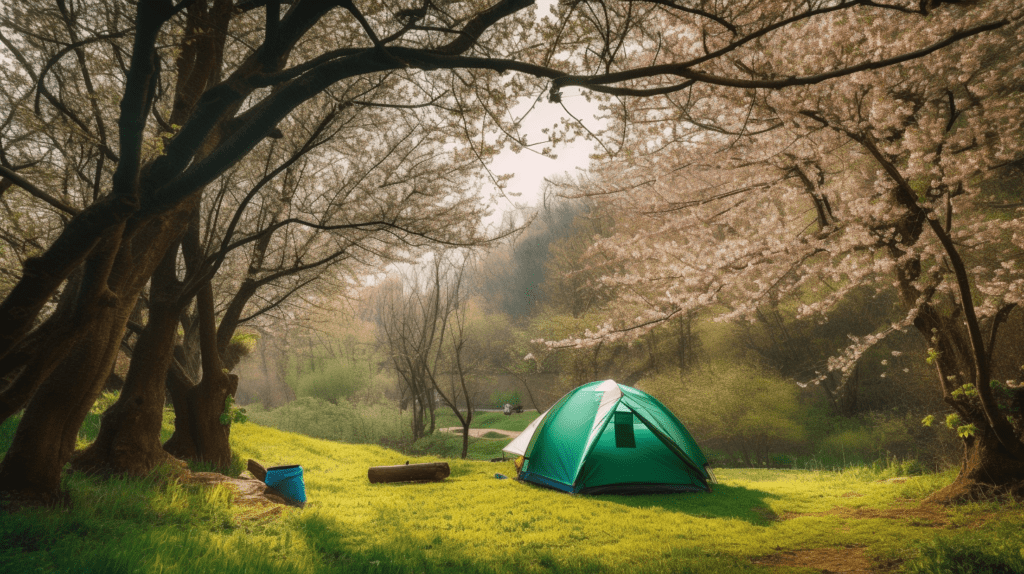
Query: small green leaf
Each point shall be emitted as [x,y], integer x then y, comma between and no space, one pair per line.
[965,431]
[953,421]
[928,420]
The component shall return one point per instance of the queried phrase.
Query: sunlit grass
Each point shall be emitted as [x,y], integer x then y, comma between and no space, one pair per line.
[474,518]
[475,522]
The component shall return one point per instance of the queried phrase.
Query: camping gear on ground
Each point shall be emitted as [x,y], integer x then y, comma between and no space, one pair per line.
[427,471]
[287,480]
[604,438]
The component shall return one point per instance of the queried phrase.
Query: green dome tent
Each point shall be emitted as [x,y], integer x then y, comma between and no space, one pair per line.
[606,438]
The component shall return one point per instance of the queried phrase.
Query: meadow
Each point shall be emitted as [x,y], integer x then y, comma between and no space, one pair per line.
[756,520]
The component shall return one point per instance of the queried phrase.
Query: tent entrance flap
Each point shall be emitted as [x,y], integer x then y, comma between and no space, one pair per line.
[624,437]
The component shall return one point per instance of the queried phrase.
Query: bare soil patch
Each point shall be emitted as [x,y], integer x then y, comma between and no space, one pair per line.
[930,515]
[826,560]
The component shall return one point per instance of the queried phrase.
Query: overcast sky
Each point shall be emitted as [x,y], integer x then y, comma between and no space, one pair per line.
[530,168]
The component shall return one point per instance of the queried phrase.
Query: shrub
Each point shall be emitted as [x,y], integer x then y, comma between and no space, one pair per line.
[745,415]
[336,381]
[878,439]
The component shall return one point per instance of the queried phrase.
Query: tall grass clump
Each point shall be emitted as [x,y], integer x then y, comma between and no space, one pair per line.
[997,548]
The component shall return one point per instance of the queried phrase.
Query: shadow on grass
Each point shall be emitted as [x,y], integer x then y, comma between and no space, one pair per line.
[433,553]
[725,502]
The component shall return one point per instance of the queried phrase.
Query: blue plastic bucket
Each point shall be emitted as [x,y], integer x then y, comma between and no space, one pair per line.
[288,481]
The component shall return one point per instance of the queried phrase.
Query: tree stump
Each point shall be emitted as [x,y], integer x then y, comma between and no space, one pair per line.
[425,472]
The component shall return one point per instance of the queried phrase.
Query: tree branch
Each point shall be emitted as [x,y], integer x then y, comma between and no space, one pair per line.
[36,192]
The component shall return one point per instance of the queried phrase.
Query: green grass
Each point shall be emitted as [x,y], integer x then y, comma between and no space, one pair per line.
[474,522]
[90,426]
[515,422]
[484,448]
[449,445]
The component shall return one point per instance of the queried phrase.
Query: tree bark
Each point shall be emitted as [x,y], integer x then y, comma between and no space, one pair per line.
[988,471]
[198,431]
[428,471]
[129,437]
[113,279]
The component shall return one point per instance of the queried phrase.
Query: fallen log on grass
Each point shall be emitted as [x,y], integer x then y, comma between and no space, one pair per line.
[427,471]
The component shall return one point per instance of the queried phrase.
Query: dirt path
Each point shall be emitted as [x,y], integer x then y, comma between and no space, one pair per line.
[479,433]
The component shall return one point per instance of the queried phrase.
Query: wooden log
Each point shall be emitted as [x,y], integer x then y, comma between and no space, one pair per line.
[428,471]
[257,470]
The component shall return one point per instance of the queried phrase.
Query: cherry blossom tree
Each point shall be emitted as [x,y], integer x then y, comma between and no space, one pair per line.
[904,178]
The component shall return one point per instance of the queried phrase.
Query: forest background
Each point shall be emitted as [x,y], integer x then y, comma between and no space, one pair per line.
[744,388]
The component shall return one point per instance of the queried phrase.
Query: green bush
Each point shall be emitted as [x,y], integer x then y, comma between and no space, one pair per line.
[449,445]
[879,440]
[745,415]
[334,382]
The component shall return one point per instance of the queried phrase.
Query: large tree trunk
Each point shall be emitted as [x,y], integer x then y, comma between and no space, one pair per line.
[988,470]
[989,467]
[994,452]
[114,277]
[38,354]
[46,436]
[129,437]
[45,439]
[199,433]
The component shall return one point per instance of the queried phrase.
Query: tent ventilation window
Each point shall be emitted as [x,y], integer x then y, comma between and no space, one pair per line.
[624,430]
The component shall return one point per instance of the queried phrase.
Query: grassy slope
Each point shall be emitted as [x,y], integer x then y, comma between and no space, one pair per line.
[487,420]
[471,522]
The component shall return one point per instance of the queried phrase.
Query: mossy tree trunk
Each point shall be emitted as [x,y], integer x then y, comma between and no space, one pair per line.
[199,433]
[114,277]
[129,438]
